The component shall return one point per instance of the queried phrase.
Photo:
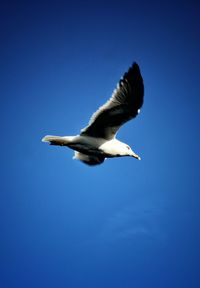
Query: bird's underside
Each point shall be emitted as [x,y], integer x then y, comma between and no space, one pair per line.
[89,150]
[86,148]
[89,159]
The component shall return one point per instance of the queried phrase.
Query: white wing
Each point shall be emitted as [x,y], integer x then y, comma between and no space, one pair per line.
[125,104]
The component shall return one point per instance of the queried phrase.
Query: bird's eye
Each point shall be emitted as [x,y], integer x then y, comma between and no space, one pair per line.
[128,147]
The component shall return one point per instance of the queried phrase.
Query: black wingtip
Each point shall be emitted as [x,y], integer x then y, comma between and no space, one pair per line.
[135,66]
[133,72]
[134,78]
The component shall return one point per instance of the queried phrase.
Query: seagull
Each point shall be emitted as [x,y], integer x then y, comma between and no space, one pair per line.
[97,141]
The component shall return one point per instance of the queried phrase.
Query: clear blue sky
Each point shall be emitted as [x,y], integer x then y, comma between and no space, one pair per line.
[126,223]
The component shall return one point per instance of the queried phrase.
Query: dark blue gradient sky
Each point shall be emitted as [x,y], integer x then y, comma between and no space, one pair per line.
[126,223]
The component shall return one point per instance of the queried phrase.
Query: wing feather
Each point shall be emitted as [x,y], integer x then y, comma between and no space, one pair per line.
[124,104]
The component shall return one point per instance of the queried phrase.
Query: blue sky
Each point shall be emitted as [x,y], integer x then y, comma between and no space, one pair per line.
[125,223]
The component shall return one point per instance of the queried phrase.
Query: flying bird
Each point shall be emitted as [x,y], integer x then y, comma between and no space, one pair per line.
[97,141]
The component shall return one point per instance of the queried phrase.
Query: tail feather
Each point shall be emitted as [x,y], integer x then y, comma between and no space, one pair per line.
[53,140]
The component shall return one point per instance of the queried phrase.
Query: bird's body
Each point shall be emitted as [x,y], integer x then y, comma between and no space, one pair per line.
[98,140]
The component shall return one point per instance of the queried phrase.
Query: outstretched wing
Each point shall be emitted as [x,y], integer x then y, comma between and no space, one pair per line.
[125,104]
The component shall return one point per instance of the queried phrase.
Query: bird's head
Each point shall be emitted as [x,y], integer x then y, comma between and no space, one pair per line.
[130,152]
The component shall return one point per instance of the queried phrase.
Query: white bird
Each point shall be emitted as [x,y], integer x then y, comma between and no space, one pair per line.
[97,141]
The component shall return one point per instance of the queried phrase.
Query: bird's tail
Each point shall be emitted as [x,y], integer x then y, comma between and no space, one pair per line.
[54,140]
